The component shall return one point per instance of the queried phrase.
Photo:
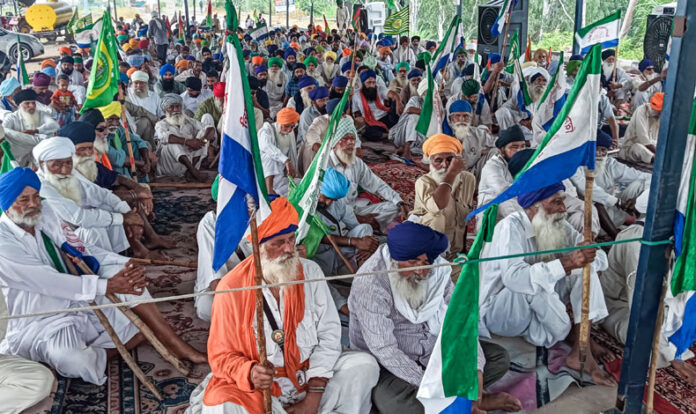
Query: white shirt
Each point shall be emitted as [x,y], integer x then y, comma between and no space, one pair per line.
[152,103]
[376,112]
[191,103]
[360,175]
[614,178]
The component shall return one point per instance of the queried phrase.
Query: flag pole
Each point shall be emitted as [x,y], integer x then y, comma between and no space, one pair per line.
[258,278]
[650,402]
[121,93]
[502,59]
[584,339]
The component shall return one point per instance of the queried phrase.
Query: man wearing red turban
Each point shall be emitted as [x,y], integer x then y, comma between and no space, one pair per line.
[306,370]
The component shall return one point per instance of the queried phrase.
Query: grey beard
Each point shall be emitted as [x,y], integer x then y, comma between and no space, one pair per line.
[460,130]
[175,119]
[306,100]
[437,175]
[282,269]
[23,220]
[67,185]
[412,288]
[31,121]
[600,164]
[536,92]
[86,166]
[274,77]
[101,145]
[549,231]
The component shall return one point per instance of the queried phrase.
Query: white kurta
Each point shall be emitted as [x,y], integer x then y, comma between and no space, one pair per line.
[640,98]
[22,143]
[275,92]
[72,343]
[405,130]
[97,220]
[169,154]
[191,103]
[274,158]
[152,103]
[526,296]
[308,116]
[641,131]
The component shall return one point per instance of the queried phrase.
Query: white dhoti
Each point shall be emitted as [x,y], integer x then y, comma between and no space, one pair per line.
[542,319]
[329,261]
[348,391]
[112,238]
[405,131]
[637,153]
[385,212]
[23,383]
[170,154]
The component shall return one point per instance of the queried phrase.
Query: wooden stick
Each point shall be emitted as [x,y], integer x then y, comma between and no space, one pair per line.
[164,263]
[616,62]
[260,330]
[584,340]
[128,138]
[340,253]
[502,59]
[654,356]
[179,185]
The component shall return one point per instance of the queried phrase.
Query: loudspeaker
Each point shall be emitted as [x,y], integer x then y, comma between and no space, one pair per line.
[657,33]
[487,13]
[362,22]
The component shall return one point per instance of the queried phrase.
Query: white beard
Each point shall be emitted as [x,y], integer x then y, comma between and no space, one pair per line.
[285,141]
[402,82]
[142,95]
[413,89]
[346,158]
[411,288]
[328,68]
[460,130]
[218,103]
[650,77]
[536,92]
[549,231]
[67,185]
[600,164]
[86,166]
[101,145]
[176,120]
[437,175]
[608,69]
[31,121]
[306,100]
[274,77]
[281,269]
[23,219]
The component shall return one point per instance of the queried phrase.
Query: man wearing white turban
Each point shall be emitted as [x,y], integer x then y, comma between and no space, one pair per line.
[27,126]
[143,105]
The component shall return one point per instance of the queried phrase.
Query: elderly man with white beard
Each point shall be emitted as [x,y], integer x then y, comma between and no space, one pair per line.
[344,160]
[640,140]
[301,99]
[27,126]
[647,84]
[400,81]
[328,69]
[34,244]
[619,83]
[476,142]
[470,91]
[414,78]
[95,118]
[397,316]
[319,97]
[510,113]
[306,370]
[404,134]
[445,195]
[148,106]
[183,142]
[279,151]
[275,85]
[527,296]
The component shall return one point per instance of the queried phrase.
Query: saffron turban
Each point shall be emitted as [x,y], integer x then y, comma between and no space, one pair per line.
[460,106]
[168,68]
[168,100]
[282,220]
[131,71]
[346,52]
[287,116]
[25,95]
[8,86]
[409,240]
[78,132]
[13,182]
[183,63]
[403,65]
[335,184]
[48,62]
[367,75]
[295,46]
[139,76]
[54,148]
[114,108]
[415,73]
[527,200]
[66,50]
[470,87]
[275,61]
[330,55]
[604,139]
[257,60]
[519,160]
[441,143]
[339,82]
[506,136]
[219,90]
[657,101]
[318,93]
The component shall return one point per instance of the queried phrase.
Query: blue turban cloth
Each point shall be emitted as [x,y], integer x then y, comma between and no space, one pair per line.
[494,58]
[457,106]
[346,67]
[604,139]
[168,68]
[219,56]
[49,70]
[135,60]
[644,64]
[13,182]
[338,82]
[318,93]
[305,81]
[190,58]
[409,240]
[271,49]
[8,86]
[519,160]
[79,132]
[332,104]
[335,184]
[367,75]
[575,57]
[284,45]
[260,69]
[246,53]
[527,200]
[288,52]
[124,78]
[415,73]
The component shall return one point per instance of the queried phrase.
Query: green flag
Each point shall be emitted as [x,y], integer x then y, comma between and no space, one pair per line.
[514,54]
[397,23]
[22,75]
[104,77]
[71,23]
[427,109]
[8,160]
[390,4]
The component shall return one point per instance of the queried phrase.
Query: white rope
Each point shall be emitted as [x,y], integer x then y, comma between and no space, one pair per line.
[215,292]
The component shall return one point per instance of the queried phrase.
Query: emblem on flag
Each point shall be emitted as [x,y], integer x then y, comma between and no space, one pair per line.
[397,23]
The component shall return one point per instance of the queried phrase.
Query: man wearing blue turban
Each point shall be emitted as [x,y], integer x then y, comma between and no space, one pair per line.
[370,109]
[528,296]
[647,84]
[166,83]
[319,97]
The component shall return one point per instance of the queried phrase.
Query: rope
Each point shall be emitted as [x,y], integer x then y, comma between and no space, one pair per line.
[460,260]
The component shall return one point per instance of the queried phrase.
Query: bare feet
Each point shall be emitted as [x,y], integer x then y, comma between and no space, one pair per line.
[154,255]
[139,250]
[160,242]
[686,371]
[599,376]
[600,353]
[500,401]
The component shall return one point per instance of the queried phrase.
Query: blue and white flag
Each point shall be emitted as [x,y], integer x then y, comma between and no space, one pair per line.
[571,141]
[86,36]
[241,173]
[605,32]
[259,33]
[503,14]
[551,103]
[445,53]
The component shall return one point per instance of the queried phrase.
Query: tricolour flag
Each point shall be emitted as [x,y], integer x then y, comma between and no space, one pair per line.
[445,52]
[241,172]
[528,50]
[503,16]
[22,75]
[684,273]
[104,77]
[450,381]
[551,102]
[356,19]
[397,23]
[605,32]
[326,25]
[182,31]
[571,141]
[259,33]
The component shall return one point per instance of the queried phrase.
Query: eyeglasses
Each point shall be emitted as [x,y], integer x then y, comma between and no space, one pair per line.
[100,129]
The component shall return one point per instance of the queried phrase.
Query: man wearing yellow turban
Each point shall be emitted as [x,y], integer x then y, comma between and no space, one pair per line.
[445,195]
[329,68]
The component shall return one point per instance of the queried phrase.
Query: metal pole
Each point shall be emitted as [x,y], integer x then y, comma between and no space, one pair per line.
[459,10]
[311,15]
[115,11]
[579,22]
[159,8]
[270,13]
[287,14]
[16,12]
[674,125]
[194,10]
[186,11]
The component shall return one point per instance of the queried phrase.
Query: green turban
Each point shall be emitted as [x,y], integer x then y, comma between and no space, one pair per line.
[403,65]
[470,87]
[571,66]
[122,38]
[275,61]
[312,60]
[370,61]
[425,57]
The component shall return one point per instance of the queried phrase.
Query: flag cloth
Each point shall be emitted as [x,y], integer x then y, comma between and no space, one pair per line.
[22,75]
[503,16]
[445,52]
[551,102]
[684,272]
[397,23]
[8,160]
[241,173]
[326,25]
[84,37]
[356,19]
[450,381]
[514,51]
[523,98]
[528,50]
[259,33]
[209,17]
[426,115]
[390,4]
[304,197]
[182,31]
[104,77]
[605,32]
[570,142]
[73,19]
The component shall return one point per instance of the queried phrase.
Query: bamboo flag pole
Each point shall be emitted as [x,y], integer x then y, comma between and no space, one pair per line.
[340,253]
[258,278]
[584,339]
[502,59]
[128,138]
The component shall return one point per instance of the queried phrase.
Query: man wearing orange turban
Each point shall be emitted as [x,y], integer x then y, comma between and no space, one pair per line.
[640,139]
[306,369]
[445,195]
[278,147]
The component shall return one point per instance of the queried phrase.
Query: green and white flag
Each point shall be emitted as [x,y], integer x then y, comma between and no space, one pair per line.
[397,23]
[22,75]
[514,51]
[8,160]
[605,31]
[104,77]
